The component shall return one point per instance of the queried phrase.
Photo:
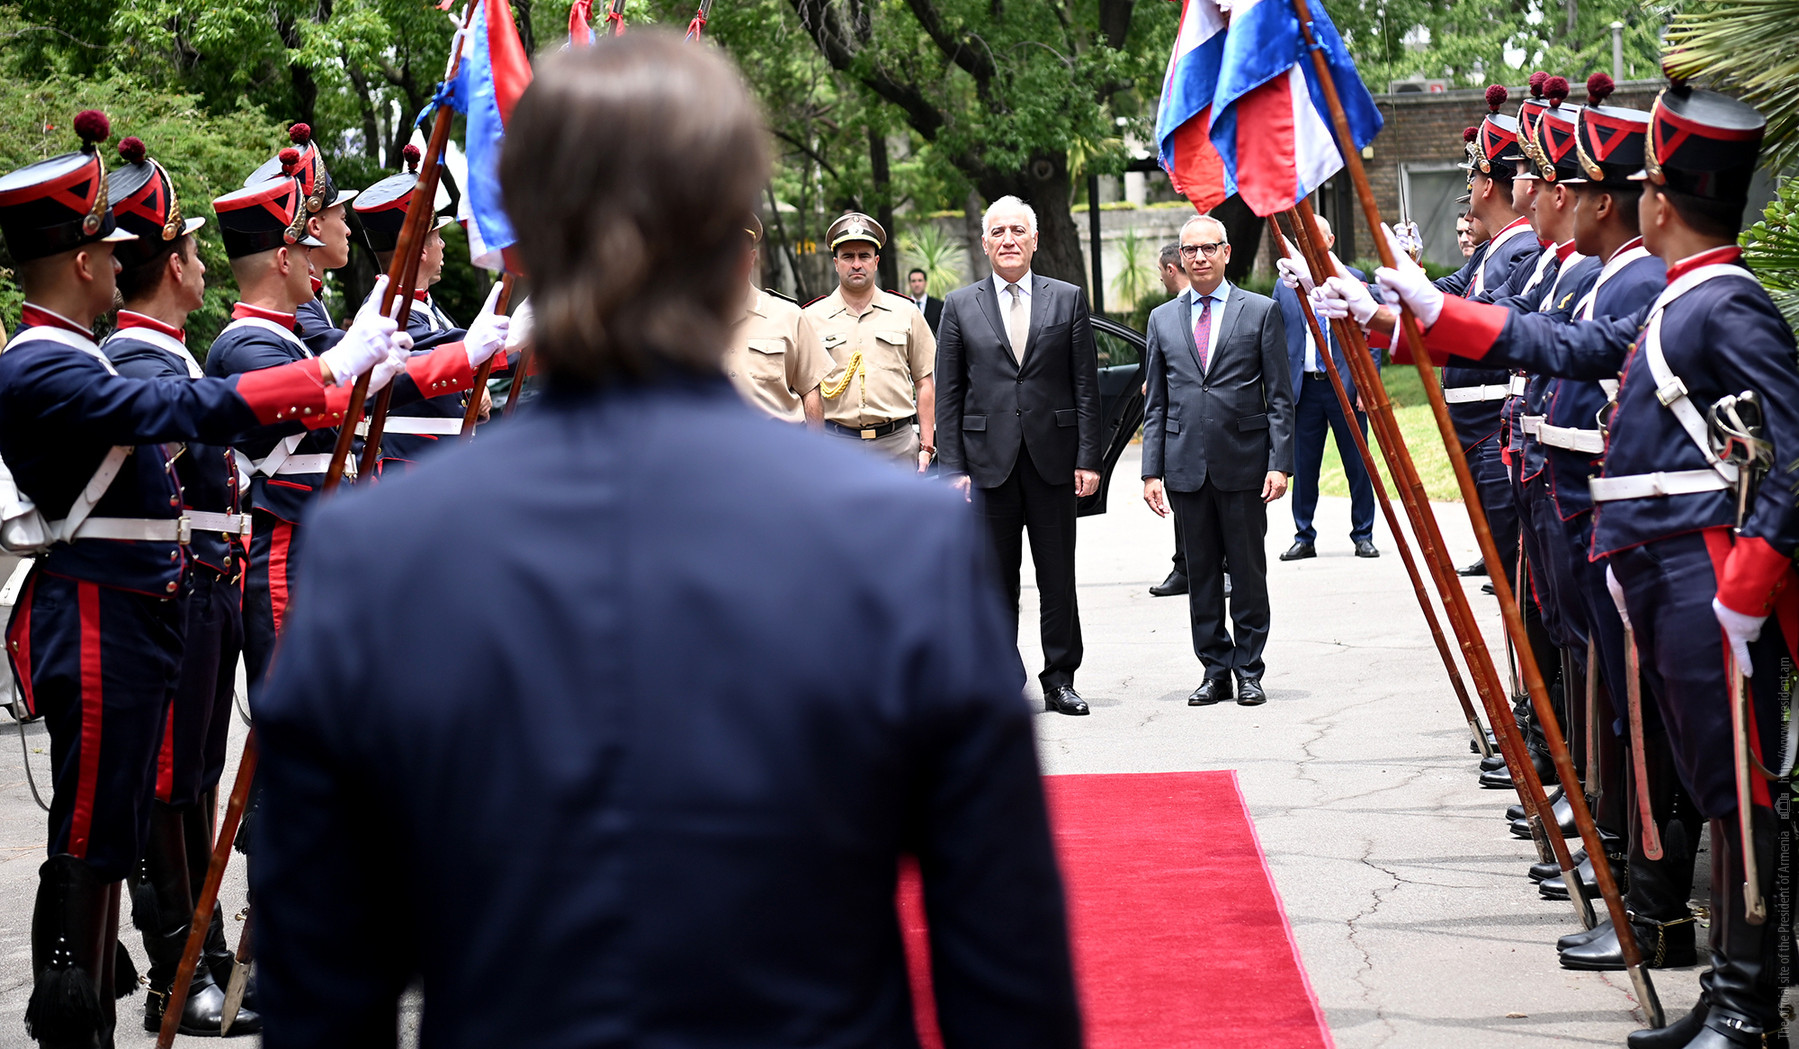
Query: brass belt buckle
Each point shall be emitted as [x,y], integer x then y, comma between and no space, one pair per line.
[867,434]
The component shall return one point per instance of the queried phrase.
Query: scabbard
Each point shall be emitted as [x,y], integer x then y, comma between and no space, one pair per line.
[1649,833]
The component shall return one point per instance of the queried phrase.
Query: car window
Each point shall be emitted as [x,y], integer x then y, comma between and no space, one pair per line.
[1115,350]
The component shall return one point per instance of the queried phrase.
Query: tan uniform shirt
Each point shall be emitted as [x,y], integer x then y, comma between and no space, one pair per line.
[896,350]
[775,357]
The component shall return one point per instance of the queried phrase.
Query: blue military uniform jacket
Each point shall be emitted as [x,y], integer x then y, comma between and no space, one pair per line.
[314,324]
[1723,337]
[642,775]
[1486,272]
[429,327]
[206,473]
[1564,285]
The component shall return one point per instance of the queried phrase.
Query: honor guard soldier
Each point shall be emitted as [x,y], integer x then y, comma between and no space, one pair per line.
[776,359]
[883,350]
[95,638]
[161,281]
[1700,554]
[264,232]
[414,429]
[327,223]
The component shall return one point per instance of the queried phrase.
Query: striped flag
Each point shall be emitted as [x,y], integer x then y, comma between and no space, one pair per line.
[494,73]
[1183,123]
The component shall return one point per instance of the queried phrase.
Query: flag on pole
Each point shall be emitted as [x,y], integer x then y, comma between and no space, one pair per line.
[580,30]
[1242,110]
[1270,121]
[1183,122]
[494,73]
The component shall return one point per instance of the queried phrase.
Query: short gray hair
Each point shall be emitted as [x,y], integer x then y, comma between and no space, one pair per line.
[1224,235]
[1008,201]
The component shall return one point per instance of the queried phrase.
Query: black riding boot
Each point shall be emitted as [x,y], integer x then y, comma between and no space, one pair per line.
[1743,985]
[218,956]
[71,957]
[164,912]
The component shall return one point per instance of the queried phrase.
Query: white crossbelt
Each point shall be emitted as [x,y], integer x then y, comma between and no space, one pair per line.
[163,529]
[1573,438]
[1519,385]
[1470,394]
[1531,424]
[416,424]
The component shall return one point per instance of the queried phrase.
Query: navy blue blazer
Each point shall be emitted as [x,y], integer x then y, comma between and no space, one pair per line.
[1295,322]
[618,722]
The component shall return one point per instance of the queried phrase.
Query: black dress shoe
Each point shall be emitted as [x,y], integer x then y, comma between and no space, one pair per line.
[1364,548]
[1063,699]
[1575,939]
[1492,762]
[1176,583]
[1563,813]
[1249,692]
[1515,812]
[1299,551]
[1677,1034]
[1477,568]
[1665,945]
[1555,888]
[1211,690]
[1487,589]
[1501,778]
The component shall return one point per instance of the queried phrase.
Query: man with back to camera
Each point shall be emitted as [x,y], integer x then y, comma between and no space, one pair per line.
[776,360]
[918,285]
[1018,417]
[1217,448]
[1174,281]
[668,836]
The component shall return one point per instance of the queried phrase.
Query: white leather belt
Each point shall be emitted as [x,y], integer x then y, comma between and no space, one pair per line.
[1649,486]
[415,424]
[1469,394]
[162,529]
[307,464]
[1573,438]
[1531,424]
[227,524]
[1518,385]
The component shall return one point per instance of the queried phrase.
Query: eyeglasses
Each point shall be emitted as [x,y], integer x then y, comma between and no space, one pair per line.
[1209,250]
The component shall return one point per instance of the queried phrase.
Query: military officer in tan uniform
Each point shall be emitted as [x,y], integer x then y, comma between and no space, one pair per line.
[776,360]
[882,349]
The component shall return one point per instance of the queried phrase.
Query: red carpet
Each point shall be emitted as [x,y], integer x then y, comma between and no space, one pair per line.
[1180,941]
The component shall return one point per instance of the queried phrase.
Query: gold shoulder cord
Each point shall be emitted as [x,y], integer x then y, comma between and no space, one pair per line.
[854,369]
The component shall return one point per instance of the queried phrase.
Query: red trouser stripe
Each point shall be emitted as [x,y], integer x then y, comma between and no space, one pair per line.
[92,706]
[278,543]
[1717,544]
[165,758]
[19,645]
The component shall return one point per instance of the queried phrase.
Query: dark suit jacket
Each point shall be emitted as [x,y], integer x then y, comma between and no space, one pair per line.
[643,774]
[1296,326]
[988,405]
[1231,424]
[933,311]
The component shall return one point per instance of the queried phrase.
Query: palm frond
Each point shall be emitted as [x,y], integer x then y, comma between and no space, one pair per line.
[1749,47]
[1771,248]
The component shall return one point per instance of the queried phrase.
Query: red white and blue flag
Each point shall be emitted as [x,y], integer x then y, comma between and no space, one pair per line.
[1242,110]
[494,73]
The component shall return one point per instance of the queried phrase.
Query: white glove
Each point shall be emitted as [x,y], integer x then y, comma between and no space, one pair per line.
[523,320]
[1617,592]
[1407,284]
[370,338]
[1739,630]
[390,367]
[1294,275]
[487,334]
[1342,297]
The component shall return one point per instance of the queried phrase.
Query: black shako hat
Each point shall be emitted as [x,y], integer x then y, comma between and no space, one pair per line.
[60,204]
[268,215]
[1703,144]
[144,202]
[315,181]
[381,208]
[1608,140]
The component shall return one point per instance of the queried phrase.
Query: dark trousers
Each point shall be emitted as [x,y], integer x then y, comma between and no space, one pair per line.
[1219,528]
[265,593]
[99,664]
[192,757]
[1180,551]
[1025,502]
[1316,411]
[1494,485]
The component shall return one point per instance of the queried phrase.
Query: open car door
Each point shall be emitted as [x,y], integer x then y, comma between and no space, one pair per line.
[1122,371]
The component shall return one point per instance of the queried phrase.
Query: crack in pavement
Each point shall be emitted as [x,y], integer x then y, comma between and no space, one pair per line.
[1363,975]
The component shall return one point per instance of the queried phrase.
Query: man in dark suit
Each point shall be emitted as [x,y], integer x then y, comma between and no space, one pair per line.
[1217,448]
[646,777]
[1317,411]
[1018,417]
[917,282]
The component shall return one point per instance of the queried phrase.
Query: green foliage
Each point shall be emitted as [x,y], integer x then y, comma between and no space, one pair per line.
[1136,269]
[1750,46]
[1771,248]
[941,256]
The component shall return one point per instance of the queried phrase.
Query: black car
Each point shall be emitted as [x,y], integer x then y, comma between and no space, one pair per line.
[1122,372]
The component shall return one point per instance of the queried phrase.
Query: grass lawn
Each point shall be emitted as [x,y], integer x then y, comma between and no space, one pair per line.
[1421,437]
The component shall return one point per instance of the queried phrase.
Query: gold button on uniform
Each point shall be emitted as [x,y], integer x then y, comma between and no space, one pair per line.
[896,350]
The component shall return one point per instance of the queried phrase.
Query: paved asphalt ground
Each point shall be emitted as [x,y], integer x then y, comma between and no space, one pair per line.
[1408,897]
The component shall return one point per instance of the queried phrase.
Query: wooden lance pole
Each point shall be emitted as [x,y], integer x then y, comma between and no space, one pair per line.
[1386,505]
[1514,620]
[500,305]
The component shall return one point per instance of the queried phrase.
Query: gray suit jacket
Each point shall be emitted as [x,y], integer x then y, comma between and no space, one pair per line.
[1231,424]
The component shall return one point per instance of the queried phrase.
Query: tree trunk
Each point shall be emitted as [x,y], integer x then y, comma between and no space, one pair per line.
[1044,184]
[883,191]
[1245,232]
[978,268]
